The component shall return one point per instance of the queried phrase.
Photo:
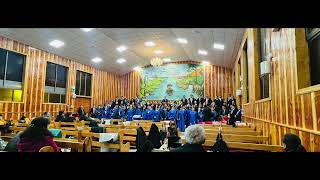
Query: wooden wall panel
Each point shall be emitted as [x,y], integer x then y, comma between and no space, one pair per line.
[105,86]
[218,82]
[288,110]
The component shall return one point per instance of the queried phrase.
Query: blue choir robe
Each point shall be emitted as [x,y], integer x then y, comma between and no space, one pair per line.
[130,114]
[121,113]
[172,115]
[199,117]
[156,116]
[148,114]
[214,116]
[181,120]
[138,112]
[192,117]
[115,114]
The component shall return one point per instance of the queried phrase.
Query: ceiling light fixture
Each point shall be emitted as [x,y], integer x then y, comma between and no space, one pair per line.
[158,51]
[182,41]
[202,52]
[218,46]
[56,43]
[121,48]
[149,44]
[137,68]
[96,60]
[121,60]
[156,61]
[86,29]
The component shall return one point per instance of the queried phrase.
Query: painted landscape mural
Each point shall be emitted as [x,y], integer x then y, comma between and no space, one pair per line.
[172,81]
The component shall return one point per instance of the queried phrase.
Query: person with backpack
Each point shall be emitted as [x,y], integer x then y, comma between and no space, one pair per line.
[154,136]
[292,143]
[142,143]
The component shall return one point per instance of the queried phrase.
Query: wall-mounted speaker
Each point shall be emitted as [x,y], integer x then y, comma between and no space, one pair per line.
[265,68]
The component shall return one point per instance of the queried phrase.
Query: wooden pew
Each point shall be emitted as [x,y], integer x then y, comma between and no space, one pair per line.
[69,143]
[238,138]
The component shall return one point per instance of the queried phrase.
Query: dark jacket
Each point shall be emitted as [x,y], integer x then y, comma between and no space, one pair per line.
[232,119]
[142,143]
[12,145]
[67,119]
[293,143]
[59,118]
[81,112]
[154,136]
[189,148]
[220,145]
[207,114]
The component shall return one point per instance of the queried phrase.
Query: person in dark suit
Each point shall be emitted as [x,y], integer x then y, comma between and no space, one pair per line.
[81,111]
[60,116]
[232,114]
[68,118]
[164,100]
[207,101]
[207,114]
[195,137]
[224,111]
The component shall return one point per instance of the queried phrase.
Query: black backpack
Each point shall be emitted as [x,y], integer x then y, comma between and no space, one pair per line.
[154,136]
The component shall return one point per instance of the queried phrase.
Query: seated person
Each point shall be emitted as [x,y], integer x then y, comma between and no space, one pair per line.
[36,136]
[292,143]
[195,137]
[46,115]
[60,116]
[68,118]
[23,119]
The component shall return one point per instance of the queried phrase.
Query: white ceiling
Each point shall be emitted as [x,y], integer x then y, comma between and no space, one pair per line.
[102,42]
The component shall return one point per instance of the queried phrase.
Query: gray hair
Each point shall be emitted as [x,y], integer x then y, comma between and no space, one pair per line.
[195,134]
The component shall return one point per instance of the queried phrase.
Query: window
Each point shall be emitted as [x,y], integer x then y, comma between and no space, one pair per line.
[313,39]
[11,75]
[263,56]
[83,84]
[56,83]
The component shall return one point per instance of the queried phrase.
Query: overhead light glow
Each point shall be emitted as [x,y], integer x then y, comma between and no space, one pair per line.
[182,40]
[86,29]
[202,52]
[218,46]
[121,48]
[121,60]
[96,60]
[166,59]
[56,43]
[149,44]
[137,68]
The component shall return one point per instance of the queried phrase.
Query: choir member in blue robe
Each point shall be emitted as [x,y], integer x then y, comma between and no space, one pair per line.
[115,112]
[122,112]
[130,113]
[99,112]
[172,115]
[156,115]
[214,114]
[193,116]
[200,115]
[181,119]
[138,111]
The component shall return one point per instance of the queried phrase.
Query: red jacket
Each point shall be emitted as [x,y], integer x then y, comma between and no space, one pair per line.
[31,145]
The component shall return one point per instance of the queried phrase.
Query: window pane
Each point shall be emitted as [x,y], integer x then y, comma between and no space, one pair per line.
[46,97]
[50,74]
[63,98]
[61,76]
[15,66]
[5,94]
[262,44]
[88,85]
[78,83]
[83,81]
[17,95]
[54,98]
[314,54]
[264,82]
[3,56]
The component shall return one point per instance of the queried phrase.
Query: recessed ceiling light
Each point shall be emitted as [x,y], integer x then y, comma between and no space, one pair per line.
[149,44]
[121,48]
[218,46]
[202,52]
[86,29]
[182,40]
[121,60]
[166,59]
[137,68]
[158,51]
[205,63]
[96,60]
[56,43]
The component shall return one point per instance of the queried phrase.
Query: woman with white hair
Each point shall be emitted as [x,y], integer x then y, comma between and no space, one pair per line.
[195,137]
